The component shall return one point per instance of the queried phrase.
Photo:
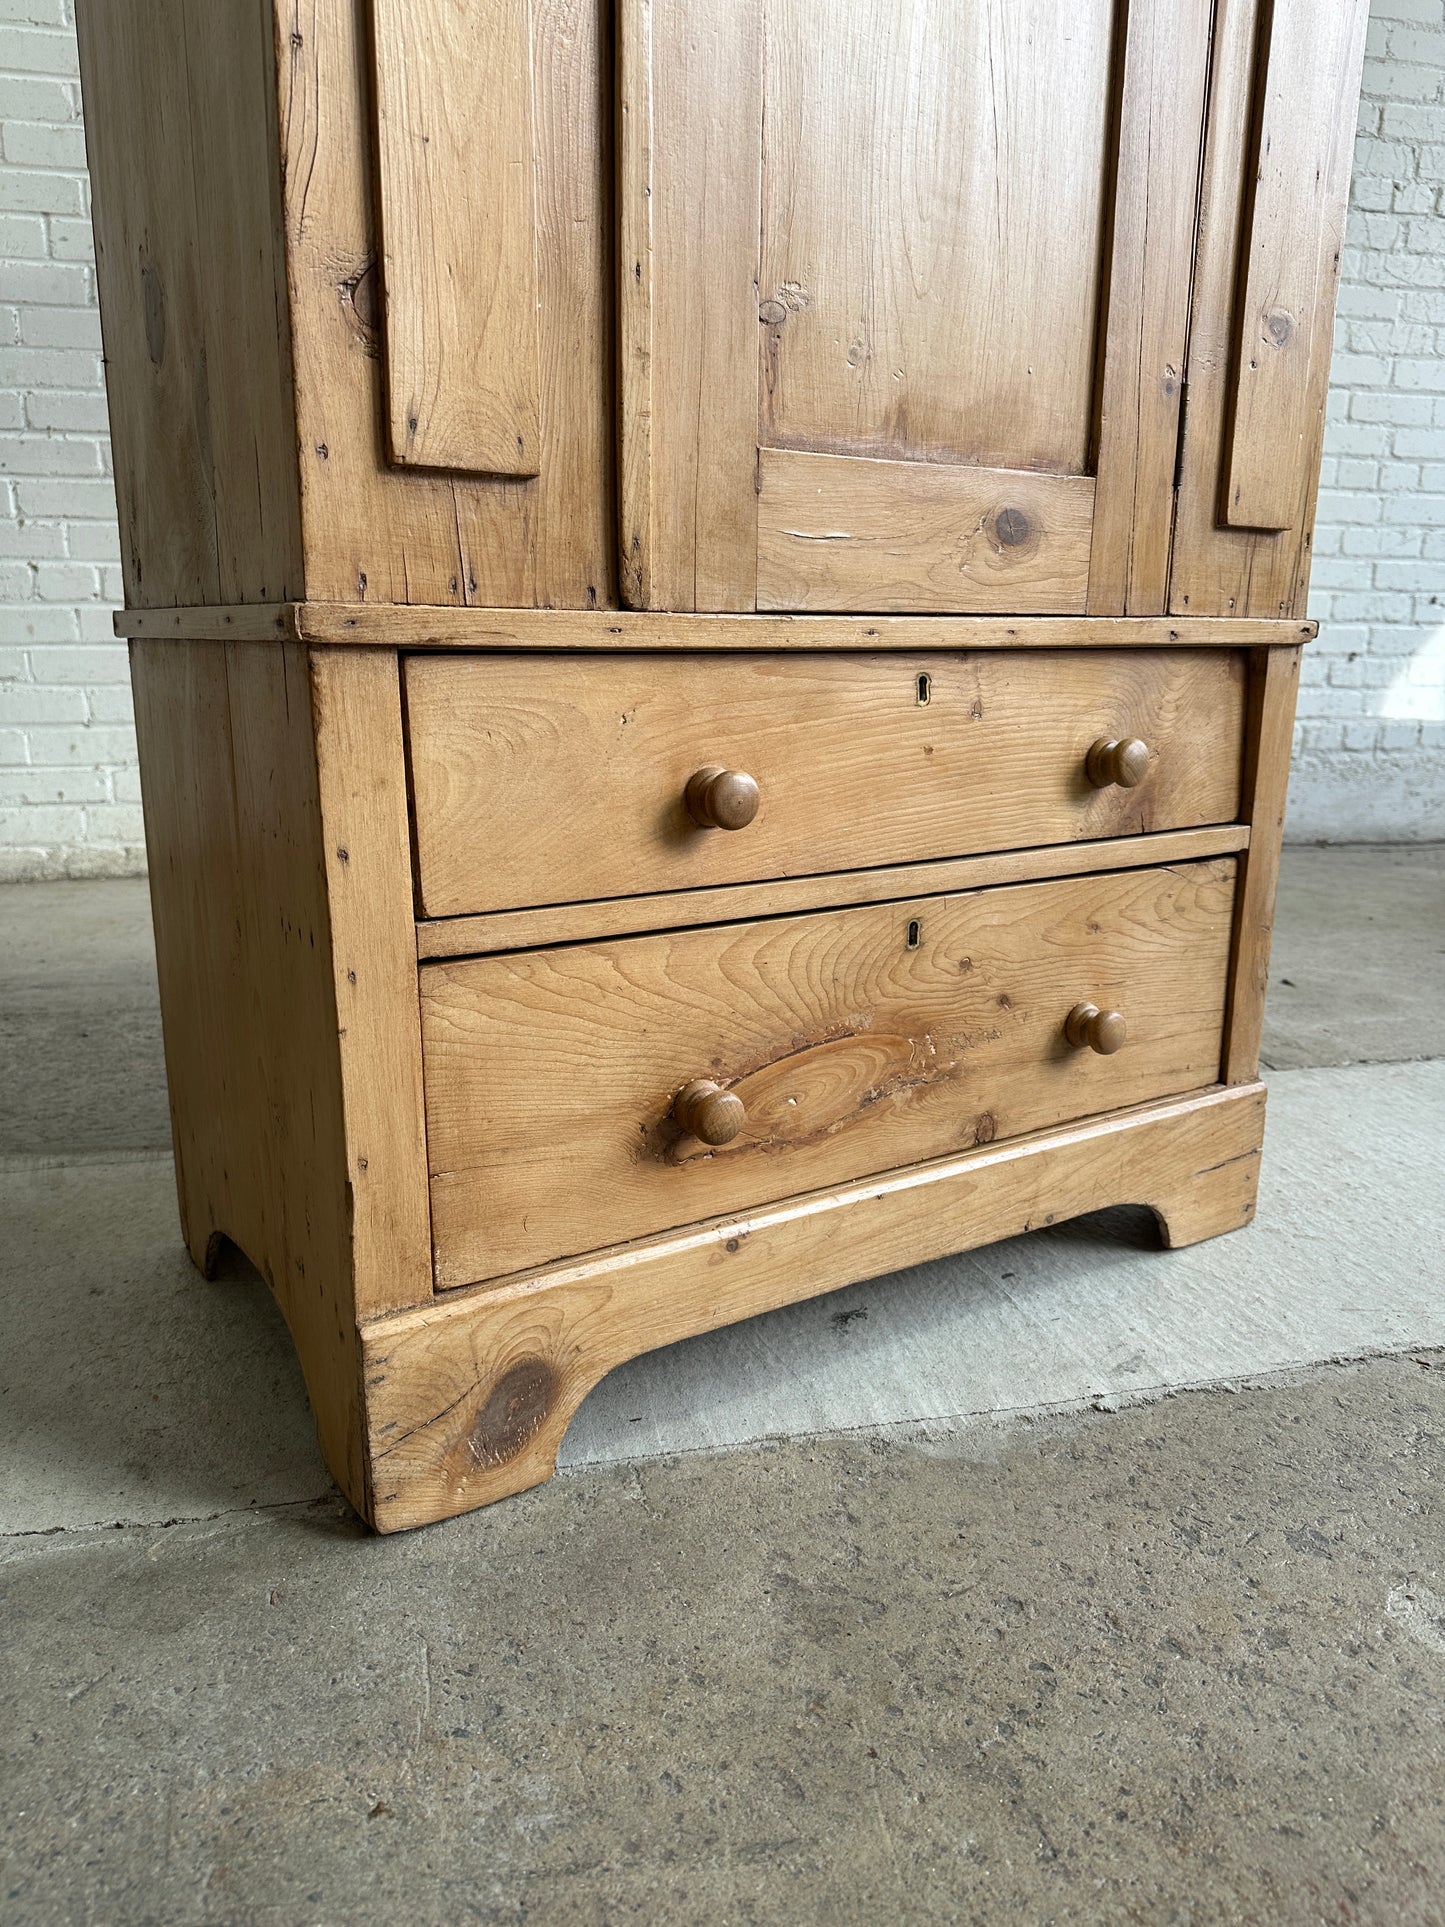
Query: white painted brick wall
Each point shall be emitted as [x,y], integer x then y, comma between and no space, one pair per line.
[1370,746]
[1371,740]
[69,795]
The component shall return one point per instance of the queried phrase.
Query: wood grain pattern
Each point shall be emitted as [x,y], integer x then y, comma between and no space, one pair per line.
[542,782]
[859,1040]
[239,896]
[182,140]
[1273,691]
[1217,570]
[375,534]
[933,228]
[702,404]
[459,270]
[468,1401]
[613,630]
[635,540]
[1304,146]
[839,533]
[1156,186]
[682,909]
[361,784]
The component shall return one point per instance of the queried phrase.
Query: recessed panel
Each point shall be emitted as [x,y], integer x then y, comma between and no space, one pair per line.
[933,226]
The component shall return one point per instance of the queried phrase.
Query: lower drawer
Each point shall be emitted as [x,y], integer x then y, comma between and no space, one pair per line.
[856,1041]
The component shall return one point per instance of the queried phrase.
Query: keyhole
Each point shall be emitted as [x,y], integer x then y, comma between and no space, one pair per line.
[915,933]
[925,690]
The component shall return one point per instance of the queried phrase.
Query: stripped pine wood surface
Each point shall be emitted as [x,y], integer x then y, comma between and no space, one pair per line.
[610,629]
[243,954]
[857,1040]
[1216,569]
[374,533]
[1310,57]
[580,779]
[467,1401]
[635,535]
[1156,182]
[182,139]
[678,909]
[843,534]
[459,275]
[1273,692]
[361,782]
[933,229]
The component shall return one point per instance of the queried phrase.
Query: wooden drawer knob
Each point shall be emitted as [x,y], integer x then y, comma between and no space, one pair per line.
[1123,760]
[721,799]
[706,1110]
[1101,1030]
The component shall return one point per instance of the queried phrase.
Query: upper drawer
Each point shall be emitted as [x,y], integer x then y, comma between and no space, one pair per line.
[559,780]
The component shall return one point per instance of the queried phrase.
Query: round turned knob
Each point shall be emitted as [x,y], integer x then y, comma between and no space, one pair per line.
[721,799]
[706,1110]
[1123,760]
[1101,1030]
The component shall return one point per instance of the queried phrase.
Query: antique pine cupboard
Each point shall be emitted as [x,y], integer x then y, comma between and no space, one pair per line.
[715,592]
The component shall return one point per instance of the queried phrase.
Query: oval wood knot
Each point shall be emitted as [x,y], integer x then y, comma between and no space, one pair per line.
[705,1110]
[513,1412]
[1012,526]
[1103,1031]
[721,799]
[1121,760]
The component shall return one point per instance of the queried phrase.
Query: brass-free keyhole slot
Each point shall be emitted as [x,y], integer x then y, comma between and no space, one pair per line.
[915,933]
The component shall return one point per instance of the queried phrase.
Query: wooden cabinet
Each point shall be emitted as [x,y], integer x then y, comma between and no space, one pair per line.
[716,595]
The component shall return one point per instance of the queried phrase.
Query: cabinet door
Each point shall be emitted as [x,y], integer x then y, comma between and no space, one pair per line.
[1272,217]
[903,297]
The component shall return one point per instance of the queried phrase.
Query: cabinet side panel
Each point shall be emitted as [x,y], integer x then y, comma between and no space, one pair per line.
[375,533]
[243,947]
[181,135]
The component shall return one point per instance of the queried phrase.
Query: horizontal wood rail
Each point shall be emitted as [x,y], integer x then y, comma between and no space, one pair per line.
[408,626]
[680,909]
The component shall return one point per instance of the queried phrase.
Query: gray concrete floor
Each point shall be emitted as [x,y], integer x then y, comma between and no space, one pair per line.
[863,1611]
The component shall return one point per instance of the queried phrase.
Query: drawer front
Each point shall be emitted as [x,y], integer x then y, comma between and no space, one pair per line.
[856,1041]
[565,779]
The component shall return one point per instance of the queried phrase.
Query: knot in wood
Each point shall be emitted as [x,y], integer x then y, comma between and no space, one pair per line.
[513,1411]
[1012,527]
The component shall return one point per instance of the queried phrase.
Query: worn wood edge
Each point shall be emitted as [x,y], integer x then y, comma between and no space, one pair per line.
[408,626]
[502,1368]
[366,833]
[240,622]
[1269,733]
[727,903]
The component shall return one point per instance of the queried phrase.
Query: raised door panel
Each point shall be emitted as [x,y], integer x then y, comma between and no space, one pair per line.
[459,264]
[1276,183]
[448,212]
[903,296]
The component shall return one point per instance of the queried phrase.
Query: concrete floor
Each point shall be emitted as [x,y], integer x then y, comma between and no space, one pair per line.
[933,1638]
